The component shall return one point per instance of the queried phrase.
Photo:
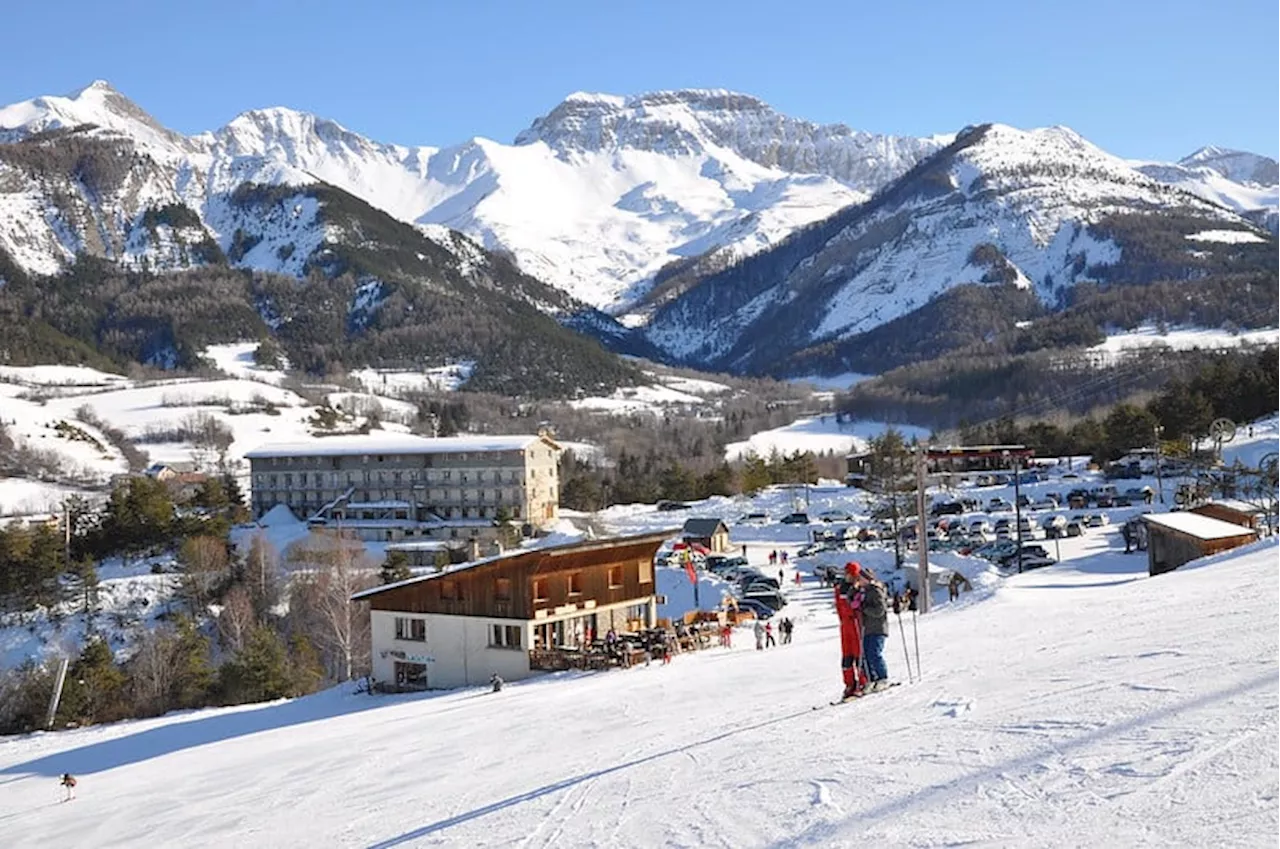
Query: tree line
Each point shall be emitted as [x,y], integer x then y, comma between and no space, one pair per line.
[227,627]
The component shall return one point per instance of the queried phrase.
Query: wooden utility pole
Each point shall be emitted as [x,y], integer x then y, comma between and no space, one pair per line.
[1159,476]
[922,536]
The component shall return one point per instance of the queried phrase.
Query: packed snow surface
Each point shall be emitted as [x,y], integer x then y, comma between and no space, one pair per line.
[1082,704]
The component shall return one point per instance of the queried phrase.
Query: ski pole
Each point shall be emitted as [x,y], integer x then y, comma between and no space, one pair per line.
[915,632]
[897,611]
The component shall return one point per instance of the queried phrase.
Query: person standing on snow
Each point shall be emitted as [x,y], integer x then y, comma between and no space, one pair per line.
[850,632]
[758,630]
[872,602]
[768,636]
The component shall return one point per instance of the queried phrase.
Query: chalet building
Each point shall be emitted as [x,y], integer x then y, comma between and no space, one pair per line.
[1177,538]
[1234,511]
[505,614]
[394,486]
[711,534]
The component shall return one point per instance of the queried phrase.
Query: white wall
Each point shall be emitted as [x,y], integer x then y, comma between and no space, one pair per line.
[456,653]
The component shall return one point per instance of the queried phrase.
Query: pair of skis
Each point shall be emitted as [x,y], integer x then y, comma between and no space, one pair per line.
[862,695]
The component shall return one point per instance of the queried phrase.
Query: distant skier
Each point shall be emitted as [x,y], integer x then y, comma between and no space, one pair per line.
[850,632]
[69,783]
[758,631]
[769,641]
[495,681]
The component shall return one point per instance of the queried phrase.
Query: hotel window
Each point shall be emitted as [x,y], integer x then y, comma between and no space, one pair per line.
[575,583]
[411,629]
[502,589]
[449,591]
[540,590]
[505,637]
[615,577]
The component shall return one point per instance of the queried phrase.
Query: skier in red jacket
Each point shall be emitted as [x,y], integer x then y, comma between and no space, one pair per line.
[850,633]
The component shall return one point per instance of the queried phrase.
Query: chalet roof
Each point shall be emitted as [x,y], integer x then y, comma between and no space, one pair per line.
[703,527]
[395,443]
[1195,525]
[532,554]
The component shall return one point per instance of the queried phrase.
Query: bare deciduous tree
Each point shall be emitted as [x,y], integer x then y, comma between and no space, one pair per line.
[236,619]
[330,570]
[204,563]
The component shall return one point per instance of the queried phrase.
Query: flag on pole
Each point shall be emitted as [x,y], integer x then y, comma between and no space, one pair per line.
[689,568]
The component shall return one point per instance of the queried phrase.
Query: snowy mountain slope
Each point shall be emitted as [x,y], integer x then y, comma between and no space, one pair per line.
[1145,722]
[596,212]
[998,205]
[1245,182]
[1237,165]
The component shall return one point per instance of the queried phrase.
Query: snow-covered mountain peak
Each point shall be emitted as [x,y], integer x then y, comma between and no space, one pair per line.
[1237,165]
[693,121]
[97,105]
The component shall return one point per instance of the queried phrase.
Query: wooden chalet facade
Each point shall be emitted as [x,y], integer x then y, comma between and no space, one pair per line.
[458,627]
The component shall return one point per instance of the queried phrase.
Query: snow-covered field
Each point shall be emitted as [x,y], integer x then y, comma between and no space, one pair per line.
[1183,339]
[236,360]
[1232,237]
[819,435]
[39,405]
[1083,704]
[394,382]
[667,390]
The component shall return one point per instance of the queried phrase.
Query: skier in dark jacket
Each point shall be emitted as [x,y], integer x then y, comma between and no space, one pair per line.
[871,600]
[495,681]
[850,632]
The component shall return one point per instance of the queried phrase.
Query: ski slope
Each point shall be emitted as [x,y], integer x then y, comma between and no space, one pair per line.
[1080,705]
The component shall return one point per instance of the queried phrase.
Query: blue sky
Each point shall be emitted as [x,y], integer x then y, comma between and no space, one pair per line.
[1141,79]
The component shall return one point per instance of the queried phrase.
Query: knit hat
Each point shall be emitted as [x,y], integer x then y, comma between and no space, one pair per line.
[852,569]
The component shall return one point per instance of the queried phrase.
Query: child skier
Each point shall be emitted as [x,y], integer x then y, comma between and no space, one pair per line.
[69,782]
[850,633]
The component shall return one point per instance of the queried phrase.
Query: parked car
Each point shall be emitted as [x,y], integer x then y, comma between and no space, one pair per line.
[980,526]
[665,506]
[868,534]
[1097,520]
[835,516]
[795,519]
[721,563]
[1105,499]
[774,600]
[947,508]
[1074,529]
[750,580]
[998,505]
[1054,526]
[1045,504]
[759,608]
[1034,562]
[753,519]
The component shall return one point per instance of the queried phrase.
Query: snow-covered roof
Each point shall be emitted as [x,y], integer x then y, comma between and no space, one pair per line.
[392,443]
[1237,505]
[1200,527]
